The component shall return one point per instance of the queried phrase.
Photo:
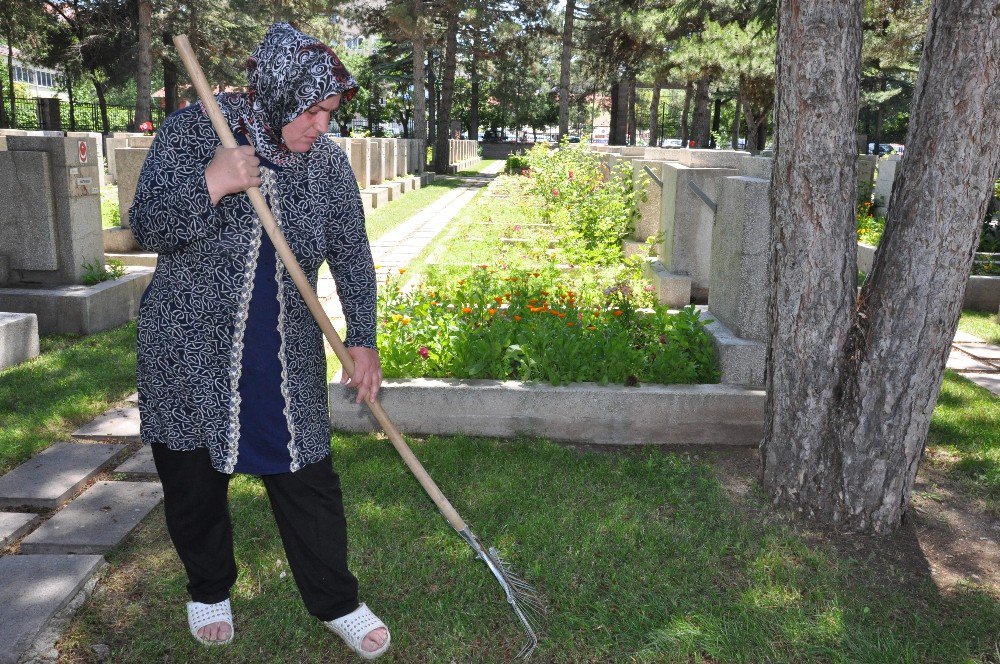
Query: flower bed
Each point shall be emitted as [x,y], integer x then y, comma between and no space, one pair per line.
[518,314]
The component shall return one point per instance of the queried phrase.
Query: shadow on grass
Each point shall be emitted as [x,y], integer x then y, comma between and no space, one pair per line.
[641,556]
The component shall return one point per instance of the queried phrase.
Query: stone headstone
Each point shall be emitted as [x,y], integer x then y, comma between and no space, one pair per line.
[866,175]
[110,146]
[130,161]
[360,155]
[402,157]
[650,215]
[388,158]
[739,287]
[688,220]
[115,424]
[34,589]
[376,157]
[50,477]
[18,338]
[62,217]
[140,141]
[757,167]
[99,142]
[97,520]
[711,158]
[885,177]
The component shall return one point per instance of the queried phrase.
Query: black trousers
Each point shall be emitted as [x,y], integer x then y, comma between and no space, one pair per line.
[307,506]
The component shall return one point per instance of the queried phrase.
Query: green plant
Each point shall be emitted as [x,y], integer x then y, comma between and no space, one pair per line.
[592,210]
[110,214]
[870,226]
[517,165]
[95,273]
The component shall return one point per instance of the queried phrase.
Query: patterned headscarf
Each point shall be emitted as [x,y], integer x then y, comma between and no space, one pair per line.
[287,73]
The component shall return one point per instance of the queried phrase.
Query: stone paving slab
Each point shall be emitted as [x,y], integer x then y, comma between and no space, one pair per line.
[116,424]
[980,351]
[133,398]
[50,477]
[97,520]
[962,362]
[965,337]
[991,381]
[141,463]
[32,590]
[15,524]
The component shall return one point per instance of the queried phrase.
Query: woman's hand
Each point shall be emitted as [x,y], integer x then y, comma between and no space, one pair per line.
[367,373]
[231,171]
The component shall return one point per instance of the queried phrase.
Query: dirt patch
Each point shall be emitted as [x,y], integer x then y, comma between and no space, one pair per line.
[947,534]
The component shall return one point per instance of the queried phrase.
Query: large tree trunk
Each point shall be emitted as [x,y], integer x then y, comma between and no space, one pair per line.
[619,111]
[10,84]
[700,126]
[102,103]
[419,90]
[145,69]
[169,76]
[474,94]
[3,106]
[432,100]
[564,62]
[72,101]
[685,126]
[716,123]
[654,116]
[631,112]
[853,379]
[736,122]
[442,155]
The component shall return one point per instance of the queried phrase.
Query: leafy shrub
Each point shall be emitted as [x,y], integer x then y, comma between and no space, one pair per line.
[870,226]
[95,273]
[519,325]
[517,164]
[110,214]
[591,210]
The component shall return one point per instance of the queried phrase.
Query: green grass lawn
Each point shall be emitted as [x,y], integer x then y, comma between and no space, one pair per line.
[110,214]
[982,324]
[641,556]
[382,220]
[479,167]
[73,381]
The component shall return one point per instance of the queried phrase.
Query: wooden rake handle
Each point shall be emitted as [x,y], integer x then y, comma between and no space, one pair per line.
[305,288]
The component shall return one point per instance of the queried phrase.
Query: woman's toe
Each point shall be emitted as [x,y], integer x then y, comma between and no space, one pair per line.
[375,639]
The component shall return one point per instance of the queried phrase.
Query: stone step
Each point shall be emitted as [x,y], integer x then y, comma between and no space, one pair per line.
[15,524]
[980,351]
[141,463]
[100,518]
[32,590]
[116,424]
[49,478]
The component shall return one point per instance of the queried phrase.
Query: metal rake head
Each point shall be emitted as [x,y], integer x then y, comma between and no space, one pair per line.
[522,597]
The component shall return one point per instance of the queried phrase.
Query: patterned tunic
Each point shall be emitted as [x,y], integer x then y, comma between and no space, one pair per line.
[193,315]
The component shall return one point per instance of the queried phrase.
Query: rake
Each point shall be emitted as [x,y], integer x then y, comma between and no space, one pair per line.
[523,599]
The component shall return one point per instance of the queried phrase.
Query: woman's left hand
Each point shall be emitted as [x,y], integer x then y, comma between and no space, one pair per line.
[367,373]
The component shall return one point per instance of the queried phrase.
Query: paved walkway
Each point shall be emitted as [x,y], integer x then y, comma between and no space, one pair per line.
[976,360]
[76,500]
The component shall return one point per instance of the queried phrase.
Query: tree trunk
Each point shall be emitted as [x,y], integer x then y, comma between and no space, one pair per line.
[762,133]
[169,77]
[619,111]
[700,126]
[847,418]
[72,102]
[564,62]
[685,132]
[631,112]
[3,106]
[736,123]
[716,122]
[102,103]
[654,116]
[145,69]
[419,90]
[432,100]
[474,95]
[10,84]
[612,135]
[442,155]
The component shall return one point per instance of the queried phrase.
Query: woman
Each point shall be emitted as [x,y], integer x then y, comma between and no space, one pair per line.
[231,368]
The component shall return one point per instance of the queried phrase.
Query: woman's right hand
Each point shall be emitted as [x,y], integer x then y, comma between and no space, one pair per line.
[231,171]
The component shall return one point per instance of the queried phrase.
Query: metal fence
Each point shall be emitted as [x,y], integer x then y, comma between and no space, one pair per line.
[85,116]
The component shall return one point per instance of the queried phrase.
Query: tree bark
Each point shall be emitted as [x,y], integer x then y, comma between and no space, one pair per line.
[72,101]
[169,77]
[700,126]
[631,133]
[144,71]
[619,111]
[736,123]
[474,93]
[10,83]
[613,129]
[419,89]
[853,379]
[102,103]
[716,122]
[442,155]
[654,116]
[3,106]
[685,131]
[432,100]
[564,63]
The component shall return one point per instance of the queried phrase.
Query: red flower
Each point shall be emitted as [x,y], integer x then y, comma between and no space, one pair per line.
[555,192]
[571,175]
[423,352]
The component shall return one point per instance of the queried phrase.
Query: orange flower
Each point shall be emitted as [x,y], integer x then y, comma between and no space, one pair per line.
[536,274]
[483,267]
[532,301]
[466,310]
[402,270]
[491,311]
[570,324]
[591,327]
[544,292]
[499,300]
[405,320]
[507,295]
[460,282]
[561,315]
[517,318]
[617,312]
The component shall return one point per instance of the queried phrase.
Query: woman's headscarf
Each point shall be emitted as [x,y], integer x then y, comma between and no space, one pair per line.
[287,73]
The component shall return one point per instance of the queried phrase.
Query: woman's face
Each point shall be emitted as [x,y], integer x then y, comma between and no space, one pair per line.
[302,132]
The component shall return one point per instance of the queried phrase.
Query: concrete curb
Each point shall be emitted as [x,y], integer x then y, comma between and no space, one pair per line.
[583,412]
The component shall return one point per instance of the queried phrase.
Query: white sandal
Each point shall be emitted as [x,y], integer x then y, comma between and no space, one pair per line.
[200,615]
[355,626]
